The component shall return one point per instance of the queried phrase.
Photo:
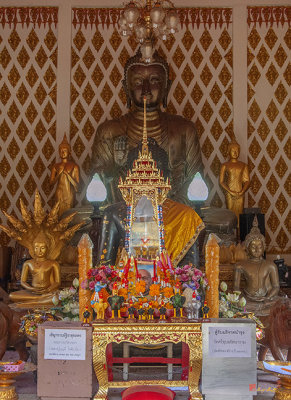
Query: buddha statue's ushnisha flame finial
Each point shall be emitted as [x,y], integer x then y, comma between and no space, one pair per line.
[145,149]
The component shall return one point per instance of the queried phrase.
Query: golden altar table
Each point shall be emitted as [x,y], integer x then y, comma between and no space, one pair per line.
[147,333]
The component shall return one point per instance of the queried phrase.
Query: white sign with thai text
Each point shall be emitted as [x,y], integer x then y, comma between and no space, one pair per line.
[65,344]
[229,342]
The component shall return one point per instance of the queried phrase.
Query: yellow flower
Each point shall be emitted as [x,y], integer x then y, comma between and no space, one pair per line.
[154,290]
[168,292]
[140,286]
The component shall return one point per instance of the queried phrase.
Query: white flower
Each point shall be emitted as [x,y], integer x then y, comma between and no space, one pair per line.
[232,297]
[223,286]
[242,302]
[76,283]
[229,314]
[223,306]
[75,319]
[72,291]
[74,308]
[67,309]
[55,300]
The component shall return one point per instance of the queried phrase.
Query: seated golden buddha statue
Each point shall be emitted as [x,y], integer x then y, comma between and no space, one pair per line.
[45,276]
[45,236]
[261,276]
[174,144]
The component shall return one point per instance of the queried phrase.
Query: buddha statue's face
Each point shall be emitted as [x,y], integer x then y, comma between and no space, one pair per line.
[234,152]
[146,81]
[256,249]
[64,152]
[40,249]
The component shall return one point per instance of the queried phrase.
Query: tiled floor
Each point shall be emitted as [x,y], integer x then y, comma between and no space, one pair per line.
[26,385]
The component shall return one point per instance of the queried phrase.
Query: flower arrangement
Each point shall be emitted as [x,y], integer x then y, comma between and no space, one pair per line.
[103,275]
[67,303]
[230,303]
[191,277]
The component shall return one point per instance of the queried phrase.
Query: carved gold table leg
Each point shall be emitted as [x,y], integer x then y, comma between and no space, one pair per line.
[195,364]
[100,342]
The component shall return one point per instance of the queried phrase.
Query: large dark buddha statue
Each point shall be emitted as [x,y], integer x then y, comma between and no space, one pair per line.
[174,144]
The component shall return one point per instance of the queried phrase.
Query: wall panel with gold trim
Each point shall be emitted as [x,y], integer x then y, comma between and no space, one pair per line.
[269,119]
[200,58]
[28,72]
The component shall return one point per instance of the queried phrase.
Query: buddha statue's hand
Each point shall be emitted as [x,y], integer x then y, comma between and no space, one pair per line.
[120,151]
[41,290]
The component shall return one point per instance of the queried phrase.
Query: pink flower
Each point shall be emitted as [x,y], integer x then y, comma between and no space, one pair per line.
[184,277]
[91,285]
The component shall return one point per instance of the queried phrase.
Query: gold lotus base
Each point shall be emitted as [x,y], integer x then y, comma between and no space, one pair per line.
[8,393]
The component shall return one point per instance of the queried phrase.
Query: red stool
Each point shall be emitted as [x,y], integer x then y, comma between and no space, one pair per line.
[148,392]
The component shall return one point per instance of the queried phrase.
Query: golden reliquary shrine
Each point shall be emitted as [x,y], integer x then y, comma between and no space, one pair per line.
[145,200]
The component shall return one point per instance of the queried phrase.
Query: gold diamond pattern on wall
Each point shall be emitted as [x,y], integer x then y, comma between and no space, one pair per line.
[27,77]
[200,58]
[272,185]
[269,44]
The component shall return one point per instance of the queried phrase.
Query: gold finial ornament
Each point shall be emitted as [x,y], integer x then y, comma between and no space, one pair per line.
[145,179]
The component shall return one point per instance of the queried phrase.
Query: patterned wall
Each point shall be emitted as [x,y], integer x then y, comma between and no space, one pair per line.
[269,118]
[201,61]
[200,57]
[28,70]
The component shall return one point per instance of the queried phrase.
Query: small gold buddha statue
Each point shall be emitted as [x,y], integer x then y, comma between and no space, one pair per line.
[234,179]
[262,279]
[45,276]
[66,174]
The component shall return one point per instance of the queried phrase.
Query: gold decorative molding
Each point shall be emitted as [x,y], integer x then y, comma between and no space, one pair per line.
[269,15]
[89,17]
[28,15]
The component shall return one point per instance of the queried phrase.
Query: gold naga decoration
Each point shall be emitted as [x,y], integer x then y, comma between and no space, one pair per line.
[40,222]
[145,179]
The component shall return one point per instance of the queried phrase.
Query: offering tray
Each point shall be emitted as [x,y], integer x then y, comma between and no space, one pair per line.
[7,379]
[284,391]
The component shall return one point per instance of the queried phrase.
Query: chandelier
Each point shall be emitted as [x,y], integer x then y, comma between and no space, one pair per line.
[148,20]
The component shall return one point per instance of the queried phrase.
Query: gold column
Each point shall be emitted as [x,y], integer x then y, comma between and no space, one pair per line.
[212,274]
[85,247]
